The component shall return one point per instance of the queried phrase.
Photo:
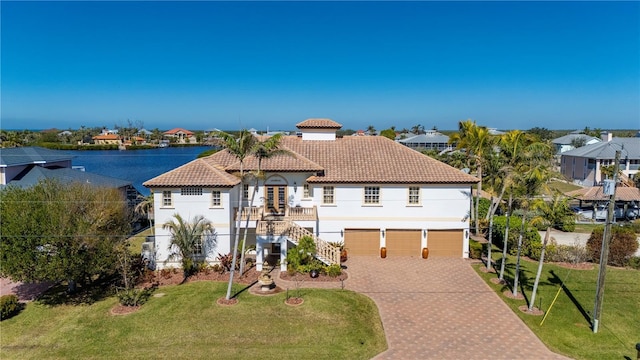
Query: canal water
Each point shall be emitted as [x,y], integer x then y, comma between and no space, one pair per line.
[136,166]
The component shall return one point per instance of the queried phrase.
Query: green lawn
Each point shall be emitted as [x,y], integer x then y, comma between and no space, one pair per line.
[135,242]
[187,323]
[566,330]
[563,186]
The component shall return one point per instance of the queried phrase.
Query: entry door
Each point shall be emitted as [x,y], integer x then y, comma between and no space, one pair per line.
[276,199]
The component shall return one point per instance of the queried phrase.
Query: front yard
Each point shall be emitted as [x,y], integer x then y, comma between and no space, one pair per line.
[184,321]
[566,330]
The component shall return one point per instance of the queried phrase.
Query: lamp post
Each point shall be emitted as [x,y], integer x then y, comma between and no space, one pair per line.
[609,188]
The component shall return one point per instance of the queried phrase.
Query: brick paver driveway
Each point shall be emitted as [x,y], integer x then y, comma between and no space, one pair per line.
[440,309]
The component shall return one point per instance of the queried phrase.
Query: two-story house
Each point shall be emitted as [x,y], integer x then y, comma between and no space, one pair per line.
[365,192]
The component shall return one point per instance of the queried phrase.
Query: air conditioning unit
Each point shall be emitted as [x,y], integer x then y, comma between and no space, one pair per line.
[149,254]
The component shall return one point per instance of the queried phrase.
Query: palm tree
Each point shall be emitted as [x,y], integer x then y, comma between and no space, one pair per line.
[261,150]
[551,214]
[533,177]
[240,148]
[187,237]
[477,141]
[145,209]
[371,130]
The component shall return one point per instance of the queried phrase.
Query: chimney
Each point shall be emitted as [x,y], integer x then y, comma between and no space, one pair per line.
[606,136]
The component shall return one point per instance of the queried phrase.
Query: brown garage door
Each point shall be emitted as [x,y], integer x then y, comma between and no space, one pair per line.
[362,241]
[445,243]
[403,242]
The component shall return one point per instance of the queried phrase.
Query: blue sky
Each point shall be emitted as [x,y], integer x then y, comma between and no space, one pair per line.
[231,65]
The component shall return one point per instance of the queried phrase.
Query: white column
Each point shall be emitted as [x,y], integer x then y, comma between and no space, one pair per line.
[259,255]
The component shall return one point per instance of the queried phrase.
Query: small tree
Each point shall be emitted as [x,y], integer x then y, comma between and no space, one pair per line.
[188,240]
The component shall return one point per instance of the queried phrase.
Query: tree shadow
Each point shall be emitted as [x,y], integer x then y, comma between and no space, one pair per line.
[555,279]
[85,294]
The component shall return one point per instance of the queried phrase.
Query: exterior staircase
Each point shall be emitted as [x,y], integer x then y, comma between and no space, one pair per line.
[325,252]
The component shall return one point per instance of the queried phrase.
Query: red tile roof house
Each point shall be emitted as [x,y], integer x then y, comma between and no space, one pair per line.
[365,192]
[183,136]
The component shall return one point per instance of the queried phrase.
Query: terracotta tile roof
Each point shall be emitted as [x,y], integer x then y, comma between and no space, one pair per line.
[352,159]
[199,172]
[289,162]
[177,130]
[595,193]
[106,137]
[318,124]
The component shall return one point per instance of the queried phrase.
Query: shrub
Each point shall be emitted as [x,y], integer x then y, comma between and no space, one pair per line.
[226,261]
[567,253]
[621,248]
[515,223]
[9,306]
[634,262]
[333,270]
[134,297]
[475,249]
[300,257]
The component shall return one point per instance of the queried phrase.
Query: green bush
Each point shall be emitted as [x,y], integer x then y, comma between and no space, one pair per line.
[333,270]
[621,248]
[634,262]
[300,258]
[475,249]
[134,297]
[530,236]
[9,306]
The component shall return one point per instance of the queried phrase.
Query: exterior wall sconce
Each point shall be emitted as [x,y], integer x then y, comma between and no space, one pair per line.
[295,187]
[342,233]
[466,234]
[424,232]
[383,233]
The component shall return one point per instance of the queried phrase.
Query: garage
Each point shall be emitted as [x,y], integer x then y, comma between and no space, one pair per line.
[362,241]
[445,243]
[403,242]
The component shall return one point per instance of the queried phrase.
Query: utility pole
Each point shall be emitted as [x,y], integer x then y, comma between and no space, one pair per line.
[606,239]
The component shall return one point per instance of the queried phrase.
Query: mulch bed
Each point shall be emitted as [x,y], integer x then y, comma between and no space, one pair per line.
[160,278]
[123,310]
[294,301]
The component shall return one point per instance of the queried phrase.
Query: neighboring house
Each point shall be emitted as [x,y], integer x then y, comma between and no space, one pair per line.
[107,139]
[366,192]
[566,143]
[584,164]
[182,136]
[25,166]
[431,140]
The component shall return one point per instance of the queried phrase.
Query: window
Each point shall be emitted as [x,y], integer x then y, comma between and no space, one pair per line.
[306,191]
[166,199]
[371,195]
[414,195]
[190,191]
[198,247]
[328,195]
[216,198]
[245,191]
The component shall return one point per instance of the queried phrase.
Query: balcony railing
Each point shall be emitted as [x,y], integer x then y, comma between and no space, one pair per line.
[255,213]
[301,213]
[291,213]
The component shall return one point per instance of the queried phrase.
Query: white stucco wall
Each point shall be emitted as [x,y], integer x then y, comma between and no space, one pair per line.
[441,207]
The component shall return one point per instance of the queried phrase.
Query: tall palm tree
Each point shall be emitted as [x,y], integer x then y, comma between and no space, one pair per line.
[532,178]
[477,142]
[551,214]
[240,147]
[187,237]
[261,150]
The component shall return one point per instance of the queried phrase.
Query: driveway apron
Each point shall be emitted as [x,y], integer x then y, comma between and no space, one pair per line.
[440,308]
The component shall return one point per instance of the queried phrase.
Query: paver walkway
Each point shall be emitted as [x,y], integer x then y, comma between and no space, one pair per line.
[439,309]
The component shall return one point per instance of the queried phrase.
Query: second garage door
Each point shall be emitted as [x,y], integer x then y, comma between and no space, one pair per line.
[362,241]
[403,242]
[445,243]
